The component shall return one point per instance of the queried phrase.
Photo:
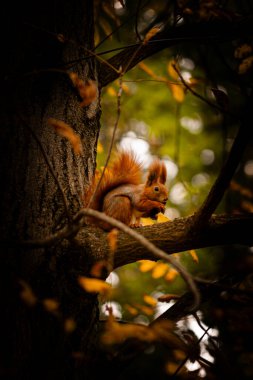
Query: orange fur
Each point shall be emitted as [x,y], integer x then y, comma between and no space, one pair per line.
[124,170]
[122,195]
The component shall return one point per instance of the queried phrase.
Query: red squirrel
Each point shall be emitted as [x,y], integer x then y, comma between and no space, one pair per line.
[123,195]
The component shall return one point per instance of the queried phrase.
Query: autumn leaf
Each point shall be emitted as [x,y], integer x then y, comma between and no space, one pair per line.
[111,91]
[149,71]
[159,270]
[146,265]
[161,218]
[177,92]
[132,310]
[245,65]
[69,325]
[146,309]
[151,33]
[117,333]
[97,268]
[50,305]
[150,300]
[66,131]
[171,69]
[194,255]
[86,89]
[94,285]
[100,147]
[147,222]
[27,294]
[248,206]
[179,355]
[171,275]
[112,238]
[171,367]
[241,189]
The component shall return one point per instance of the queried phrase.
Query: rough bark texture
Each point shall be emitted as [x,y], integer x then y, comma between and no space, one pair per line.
[34,343]
[172,237]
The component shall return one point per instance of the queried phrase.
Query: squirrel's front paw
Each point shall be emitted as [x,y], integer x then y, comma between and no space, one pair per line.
[135,225]
[162,208]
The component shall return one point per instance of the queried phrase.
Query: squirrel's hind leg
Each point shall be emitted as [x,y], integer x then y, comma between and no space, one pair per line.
[118,207]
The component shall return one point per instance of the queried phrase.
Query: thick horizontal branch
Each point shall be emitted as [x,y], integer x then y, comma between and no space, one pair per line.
[174,237]
[198,33]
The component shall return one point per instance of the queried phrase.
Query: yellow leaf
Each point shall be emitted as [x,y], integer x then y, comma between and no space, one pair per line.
[161,218]
[147,221]
[159,270]
[27,294]
[150,300]
[146,265]
[94,285]
[171,275]
[66,131]
[87,89]
[100,148]
[116,333]
[111,91]
[149,71]
[171,69]
[177,92]
[50,305]
[194,255]
[132,310]
[69,325]
[125,88]
[97,268]
[171,368]
[151,33]
[146,309]
[179,355]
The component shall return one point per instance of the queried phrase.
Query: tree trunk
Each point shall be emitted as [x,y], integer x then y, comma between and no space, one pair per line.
[36,164]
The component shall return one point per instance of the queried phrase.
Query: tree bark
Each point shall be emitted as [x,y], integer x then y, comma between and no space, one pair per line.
[34,341]
[172,237]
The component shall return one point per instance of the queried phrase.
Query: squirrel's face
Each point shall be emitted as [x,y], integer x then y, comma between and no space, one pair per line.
[159,193]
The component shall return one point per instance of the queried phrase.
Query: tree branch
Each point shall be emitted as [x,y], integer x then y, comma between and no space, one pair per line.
[226,174]
[171,237]
[198,33]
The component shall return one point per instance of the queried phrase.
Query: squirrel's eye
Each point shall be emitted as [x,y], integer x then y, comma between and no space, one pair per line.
[156,189]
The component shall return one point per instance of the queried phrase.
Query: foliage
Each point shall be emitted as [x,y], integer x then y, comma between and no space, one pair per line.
[174,81]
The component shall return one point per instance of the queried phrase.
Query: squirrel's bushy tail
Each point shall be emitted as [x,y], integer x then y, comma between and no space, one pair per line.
[125,170]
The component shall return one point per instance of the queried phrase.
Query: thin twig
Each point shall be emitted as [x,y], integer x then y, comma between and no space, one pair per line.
[188,356]
[78,222]
[216,106]
[221,184]
[90,52]
[138,7]
[112,140]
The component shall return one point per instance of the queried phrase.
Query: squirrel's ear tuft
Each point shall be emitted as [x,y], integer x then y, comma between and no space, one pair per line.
[163,173]
[153,173]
